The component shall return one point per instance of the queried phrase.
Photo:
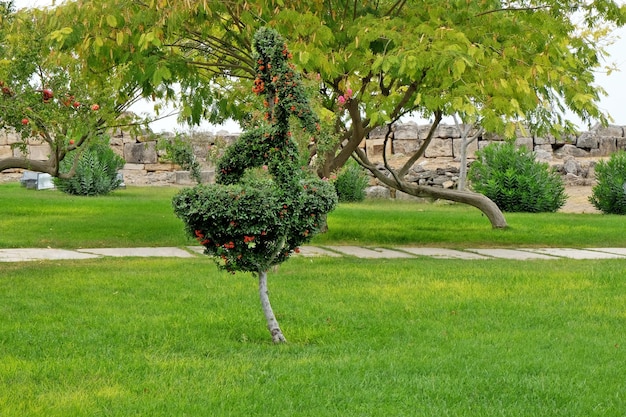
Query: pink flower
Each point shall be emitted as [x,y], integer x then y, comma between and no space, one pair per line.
[264,167]
[348,93]
[341,100]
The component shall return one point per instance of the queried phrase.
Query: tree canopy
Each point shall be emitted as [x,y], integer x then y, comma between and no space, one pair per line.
[373,62]
[49,96]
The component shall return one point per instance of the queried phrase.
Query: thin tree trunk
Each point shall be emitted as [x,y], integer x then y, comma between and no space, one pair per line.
[272,323]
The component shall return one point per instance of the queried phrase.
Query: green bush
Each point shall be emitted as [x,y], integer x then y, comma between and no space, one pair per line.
[609,194]
[96,172]
[351,182]
[180,151]
[515,181]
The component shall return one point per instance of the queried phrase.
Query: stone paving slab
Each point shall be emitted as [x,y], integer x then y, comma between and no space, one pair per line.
[520,255]
[616,251]
[443,253]
[311,251]
[19,255]
[576,253]
[140,252]
[361,252]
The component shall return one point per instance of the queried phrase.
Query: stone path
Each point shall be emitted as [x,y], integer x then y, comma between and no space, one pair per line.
[19,255]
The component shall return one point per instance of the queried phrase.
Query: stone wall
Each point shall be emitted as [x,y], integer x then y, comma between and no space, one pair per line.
[145,163]
[407,138]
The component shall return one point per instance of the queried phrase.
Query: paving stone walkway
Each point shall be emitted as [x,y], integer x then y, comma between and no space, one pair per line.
[20,255]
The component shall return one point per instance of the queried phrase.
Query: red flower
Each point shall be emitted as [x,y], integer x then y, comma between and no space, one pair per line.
[247,239]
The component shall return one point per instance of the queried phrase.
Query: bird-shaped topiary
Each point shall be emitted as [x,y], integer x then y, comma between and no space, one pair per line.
[253,222]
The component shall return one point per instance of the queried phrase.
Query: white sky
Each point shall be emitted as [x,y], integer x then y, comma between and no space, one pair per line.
[615,84]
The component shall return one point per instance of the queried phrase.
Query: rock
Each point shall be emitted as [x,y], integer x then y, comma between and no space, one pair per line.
[377,191]
[439,148]
[140,153]
[607,145]
[524,142]
[610,130]
[543,155]
[571,166]
[571,150]
[404,131]
[587,140]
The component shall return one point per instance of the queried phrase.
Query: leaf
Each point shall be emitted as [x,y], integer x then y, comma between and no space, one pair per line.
[304,57]
[458,68]
[111,21]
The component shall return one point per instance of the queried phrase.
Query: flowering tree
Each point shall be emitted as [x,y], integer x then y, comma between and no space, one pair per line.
[51,98]
[263,205]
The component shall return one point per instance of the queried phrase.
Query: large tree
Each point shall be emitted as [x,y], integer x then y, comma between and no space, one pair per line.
[493,62]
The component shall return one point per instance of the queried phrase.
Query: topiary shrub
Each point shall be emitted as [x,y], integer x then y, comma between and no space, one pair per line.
[96,171]
[351,182]
[609,194]
[249,222]
[515,181]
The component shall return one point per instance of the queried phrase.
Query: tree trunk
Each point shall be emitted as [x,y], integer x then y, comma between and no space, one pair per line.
[272,323]
[482,203]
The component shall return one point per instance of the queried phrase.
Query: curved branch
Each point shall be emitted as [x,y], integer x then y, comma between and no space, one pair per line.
[484,204]
[512,9]
[422,149]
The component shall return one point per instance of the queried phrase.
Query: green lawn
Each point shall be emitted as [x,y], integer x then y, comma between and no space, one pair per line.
[143,216]
[419,337]
[410,337]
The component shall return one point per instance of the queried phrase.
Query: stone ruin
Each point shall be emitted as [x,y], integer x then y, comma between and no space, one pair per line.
[574,156]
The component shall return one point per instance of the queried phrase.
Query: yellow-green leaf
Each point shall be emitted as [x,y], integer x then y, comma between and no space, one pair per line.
[111,20]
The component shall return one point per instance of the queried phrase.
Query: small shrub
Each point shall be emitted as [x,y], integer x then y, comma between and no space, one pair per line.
[180,151]
[609,194]
[96,172]
[351,182]
[515,181]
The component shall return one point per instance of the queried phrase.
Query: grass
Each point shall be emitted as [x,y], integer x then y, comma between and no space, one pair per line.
[416,337]
[410,337]
[143,216]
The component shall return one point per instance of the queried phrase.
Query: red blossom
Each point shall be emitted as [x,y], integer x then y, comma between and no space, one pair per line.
[247,239]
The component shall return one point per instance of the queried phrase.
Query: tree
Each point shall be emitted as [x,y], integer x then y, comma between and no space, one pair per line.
[264,205]
[374,62]
[52,98]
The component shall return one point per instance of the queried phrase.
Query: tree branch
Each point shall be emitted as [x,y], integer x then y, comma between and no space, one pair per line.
[512,9]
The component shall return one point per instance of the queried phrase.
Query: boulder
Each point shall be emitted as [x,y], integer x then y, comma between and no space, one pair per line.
[377,191]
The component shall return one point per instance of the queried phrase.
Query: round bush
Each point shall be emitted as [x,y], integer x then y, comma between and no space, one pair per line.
[609,194]
[515,181]
[351,182]
[96,172]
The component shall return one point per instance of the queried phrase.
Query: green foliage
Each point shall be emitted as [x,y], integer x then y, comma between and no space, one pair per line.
[96,171]
[180,151]
[351,182]
[515,181]
[51,97]
[250,226]
[609,194]
[373,62]
[246,222]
